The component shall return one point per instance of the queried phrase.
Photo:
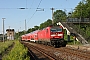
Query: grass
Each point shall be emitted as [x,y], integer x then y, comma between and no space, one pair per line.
[5,45]
[72,41]
[18,52]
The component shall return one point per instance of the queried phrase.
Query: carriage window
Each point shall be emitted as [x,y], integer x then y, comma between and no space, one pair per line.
[35,35]
[56,30]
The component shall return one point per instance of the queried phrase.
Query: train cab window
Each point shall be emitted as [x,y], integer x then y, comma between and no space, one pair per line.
[56,29]
[59,29]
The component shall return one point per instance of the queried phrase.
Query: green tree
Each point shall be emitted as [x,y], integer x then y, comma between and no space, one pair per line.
[88,7]
[36,27]
[33,29]
[45,24]
[29,30]
[18,34]
[82,9]
[59,15]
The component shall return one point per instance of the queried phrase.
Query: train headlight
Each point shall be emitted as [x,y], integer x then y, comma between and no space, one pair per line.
[60,34]
[53,35]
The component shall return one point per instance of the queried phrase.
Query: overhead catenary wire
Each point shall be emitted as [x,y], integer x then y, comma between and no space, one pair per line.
[31,16]
[26,3]
[35,11]
[30,8]
[36,8]
[32,3]
[39,3]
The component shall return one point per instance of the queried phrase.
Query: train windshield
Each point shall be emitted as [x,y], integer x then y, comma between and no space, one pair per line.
[56,29]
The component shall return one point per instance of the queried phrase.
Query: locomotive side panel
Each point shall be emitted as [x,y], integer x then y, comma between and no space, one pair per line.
[48,33]
[44,35]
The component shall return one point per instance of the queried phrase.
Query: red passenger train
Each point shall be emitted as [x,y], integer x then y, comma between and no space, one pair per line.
[52,35]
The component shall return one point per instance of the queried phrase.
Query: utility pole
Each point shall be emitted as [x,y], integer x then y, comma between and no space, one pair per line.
[25,25]
[3,29]
[52,15]
[9,32]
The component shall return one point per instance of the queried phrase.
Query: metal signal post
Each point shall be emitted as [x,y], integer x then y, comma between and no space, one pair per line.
[3,29]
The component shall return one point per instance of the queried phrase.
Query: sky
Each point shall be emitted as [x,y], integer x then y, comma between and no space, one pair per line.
[15,17]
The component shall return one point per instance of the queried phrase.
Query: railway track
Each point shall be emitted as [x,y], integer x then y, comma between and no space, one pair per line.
[45,55]
[63,53]
[73,54]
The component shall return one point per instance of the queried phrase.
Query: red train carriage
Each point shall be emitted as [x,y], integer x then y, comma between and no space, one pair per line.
[34,36]
[23,37]
[28,37]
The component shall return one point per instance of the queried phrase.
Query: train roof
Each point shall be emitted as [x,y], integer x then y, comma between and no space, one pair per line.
[32,32]
[22,35]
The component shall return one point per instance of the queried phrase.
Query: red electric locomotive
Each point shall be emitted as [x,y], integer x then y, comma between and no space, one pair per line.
[52,35]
